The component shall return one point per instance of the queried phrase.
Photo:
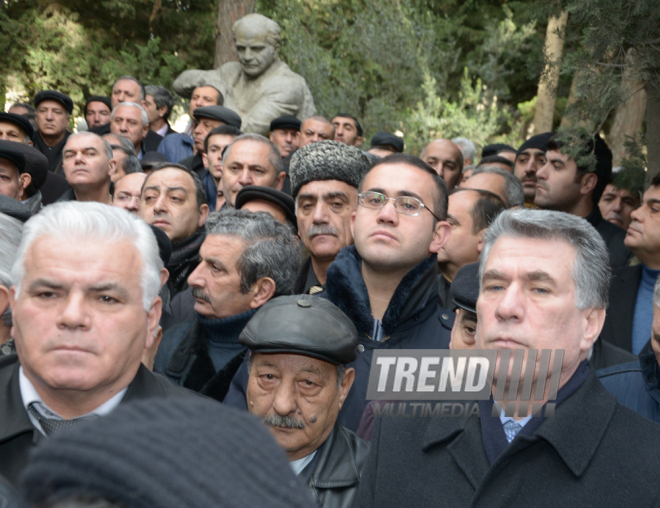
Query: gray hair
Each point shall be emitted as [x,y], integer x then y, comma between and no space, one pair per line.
[72,221]
[125,144]
[273,30]
[106,146]
[143,112]
[11,231]
[513,189]
[591,268]
[131,162]
[467,148]
[270,249]
[162,97]
[131,78]
[274,158]
[341,369]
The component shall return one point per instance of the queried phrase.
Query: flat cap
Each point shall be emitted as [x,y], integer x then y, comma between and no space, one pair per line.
[149,159]
[385,138]
[496,148]
[54,95]
[14,208]
[540,142]
[9,151]
[465,287]
[302,324]
[19,121]
[99,98]
[285,122]
[327,160]
[36,163]
[220,113]
[279,198]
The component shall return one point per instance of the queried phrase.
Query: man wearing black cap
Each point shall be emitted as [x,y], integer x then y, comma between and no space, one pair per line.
[97,111]
[529,159]
[246,259]
[206,119]
[279,205]
[285,134]
[565,186]
[13,178]
[23,183]
[298,382]
[384,144]
[347,129]
[53,112]
[501,149]
[16,128]
[324,178]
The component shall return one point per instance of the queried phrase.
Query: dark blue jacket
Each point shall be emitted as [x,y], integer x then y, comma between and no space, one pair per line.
[635,385]
[413,320]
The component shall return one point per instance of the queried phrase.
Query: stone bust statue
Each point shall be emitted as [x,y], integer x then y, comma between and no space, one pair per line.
[259,87]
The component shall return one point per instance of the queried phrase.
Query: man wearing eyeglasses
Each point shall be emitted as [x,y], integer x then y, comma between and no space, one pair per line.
[387,281]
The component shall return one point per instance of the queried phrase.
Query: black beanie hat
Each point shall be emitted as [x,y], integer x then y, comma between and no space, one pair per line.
[540,142]
[98,98]
[167,453]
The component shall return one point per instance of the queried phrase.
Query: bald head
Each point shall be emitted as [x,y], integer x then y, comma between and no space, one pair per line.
[446,158]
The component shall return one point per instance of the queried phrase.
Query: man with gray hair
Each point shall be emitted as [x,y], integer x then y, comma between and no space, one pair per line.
[467,149]
[159,103]
[80,328]
[250,159]
[246,259]
[498,181]
[88,166]
[544,280]
[131,120]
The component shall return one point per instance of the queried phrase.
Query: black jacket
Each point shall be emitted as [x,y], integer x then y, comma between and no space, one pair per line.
[195,163]
[184,260]
[337,468]
[151,141]
[54,153]
[593,452]
[18,435]
[306,279]
[613,236]
[617,328]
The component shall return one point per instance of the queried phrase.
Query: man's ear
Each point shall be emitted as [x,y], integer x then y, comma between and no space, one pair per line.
[280,180]
[24,181]
[593,324]
[205,160]
[164,276]
[480,244]
[262,291]
[588,183]
[162,111]
[4,299]
[358,141]
[346,383]
[440,236]
[203,214]
[153,320]
[113,167]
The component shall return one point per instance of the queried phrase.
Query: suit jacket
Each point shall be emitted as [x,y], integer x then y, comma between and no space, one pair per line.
[613,237]
[18,435]
[593,452]
[151,141]
[617,328]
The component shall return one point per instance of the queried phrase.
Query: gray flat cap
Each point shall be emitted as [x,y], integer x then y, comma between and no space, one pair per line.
[327,160]
[302,324]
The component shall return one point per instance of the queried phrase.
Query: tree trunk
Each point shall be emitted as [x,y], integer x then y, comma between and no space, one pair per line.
[652,129]
[545,102]
[228,12]
[628,120]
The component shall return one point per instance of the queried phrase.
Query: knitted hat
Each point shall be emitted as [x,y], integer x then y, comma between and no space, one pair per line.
[166,453]
[540,142]
[327,160]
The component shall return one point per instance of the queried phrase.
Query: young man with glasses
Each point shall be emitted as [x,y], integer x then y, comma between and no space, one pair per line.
[387,282]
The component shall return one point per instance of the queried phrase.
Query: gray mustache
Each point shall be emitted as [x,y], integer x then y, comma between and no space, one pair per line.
[288,422]
[322,229]
[198,293]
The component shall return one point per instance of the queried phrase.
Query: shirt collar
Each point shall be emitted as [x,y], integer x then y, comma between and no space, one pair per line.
[300,464]
[163,130]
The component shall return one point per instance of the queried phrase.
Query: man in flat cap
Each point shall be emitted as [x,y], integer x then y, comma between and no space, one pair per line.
[384,144]
[22,178]
[446,158]
[568,185]
[529,159]
[53,111]
[251,159]
[279,205]
[80,328]
[324,178]
[246,259]
[285,134]
[206,119]
[97,111]
[298,382]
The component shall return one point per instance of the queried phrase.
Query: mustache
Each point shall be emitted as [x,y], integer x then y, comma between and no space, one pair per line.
[531,177]
[322,229]
[198,293]
[288,422]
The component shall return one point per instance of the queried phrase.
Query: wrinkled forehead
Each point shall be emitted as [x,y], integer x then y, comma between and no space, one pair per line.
[293,363]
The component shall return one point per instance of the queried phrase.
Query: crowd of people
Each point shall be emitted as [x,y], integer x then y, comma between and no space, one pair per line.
[204,308]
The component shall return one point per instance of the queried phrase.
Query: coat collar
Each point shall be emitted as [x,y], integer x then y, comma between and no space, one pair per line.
[15,420]
[335,466]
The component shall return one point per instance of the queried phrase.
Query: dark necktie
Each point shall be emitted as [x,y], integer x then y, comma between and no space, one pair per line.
[50,425]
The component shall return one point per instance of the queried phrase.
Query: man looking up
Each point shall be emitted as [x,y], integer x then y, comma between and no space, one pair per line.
[246,259]
[251,159]
[80,328]
[469,214]
[347,129]
[97,111]
[447,160]
[88,166]
[215,143]
[324,178]
[159,103]
[314,129]
[174,200]
[131,121]
[529,159]
[564,186]
[53,110]
[622,196]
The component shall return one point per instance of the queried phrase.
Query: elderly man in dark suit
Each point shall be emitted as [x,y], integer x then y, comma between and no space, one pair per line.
[544,279]
[85,307]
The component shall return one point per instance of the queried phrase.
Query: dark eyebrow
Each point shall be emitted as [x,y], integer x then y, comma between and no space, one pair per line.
[450,216]
[183,189]
[215,261]
[493,274]
[539,276]
[557,160]
[399,194]
[331,195]
[650,202]
[306,196]
[151,187]
[44,283]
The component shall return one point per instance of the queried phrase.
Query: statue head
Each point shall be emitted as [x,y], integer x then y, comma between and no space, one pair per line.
[257,41]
